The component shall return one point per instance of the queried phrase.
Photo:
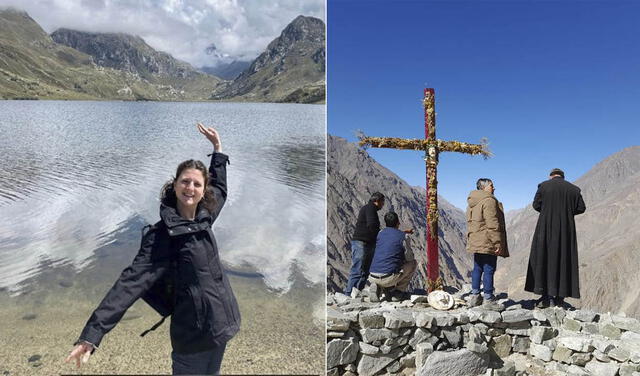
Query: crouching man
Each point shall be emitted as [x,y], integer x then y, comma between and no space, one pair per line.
[390,272]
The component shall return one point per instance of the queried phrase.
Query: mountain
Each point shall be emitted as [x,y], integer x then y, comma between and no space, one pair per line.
[227,71]
[608,238]
[291,69]
[73,64]
[352,176]
[34,66]
[133,55]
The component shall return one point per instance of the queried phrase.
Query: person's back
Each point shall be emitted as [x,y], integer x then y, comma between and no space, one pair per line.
[553,270]
[363,243]
[390,270]
[389,255]
[561,193]
[486,240]
[367,224]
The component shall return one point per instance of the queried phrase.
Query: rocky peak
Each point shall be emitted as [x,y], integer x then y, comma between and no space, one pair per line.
[608,175]
[17,24]
[125,52]
[303,28]
[294,61]
[305,34]
[15,14]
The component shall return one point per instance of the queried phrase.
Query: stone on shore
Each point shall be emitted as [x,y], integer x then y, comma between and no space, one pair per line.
[562,354]
[602,369]
[423,351]
[337,321]
[539,334]
[582,315]
[502,345]
[369,365]
[371,320]
[399,319]
[477,342]
[454,363]
[341,352]
[540,352]
[575,343]
[517,315]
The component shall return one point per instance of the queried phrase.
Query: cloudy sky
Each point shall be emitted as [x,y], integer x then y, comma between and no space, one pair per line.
[239,29]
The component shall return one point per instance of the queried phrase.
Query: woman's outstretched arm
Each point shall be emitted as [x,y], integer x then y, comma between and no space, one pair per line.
[217,169]
[148,266]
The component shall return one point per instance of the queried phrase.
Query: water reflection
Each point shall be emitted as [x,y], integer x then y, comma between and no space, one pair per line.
[77,193]
[301,166]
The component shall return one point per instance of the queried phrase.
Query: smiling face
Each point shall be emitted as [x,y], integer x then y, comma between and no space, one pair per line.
[189,188]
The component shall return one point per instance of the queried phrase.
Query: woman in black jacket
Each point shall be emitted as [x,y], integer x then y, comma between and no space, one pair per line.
[177,271]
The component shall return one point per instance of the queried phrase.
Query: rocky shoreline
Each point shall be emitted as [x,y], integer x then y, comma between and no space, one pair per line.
[410,337]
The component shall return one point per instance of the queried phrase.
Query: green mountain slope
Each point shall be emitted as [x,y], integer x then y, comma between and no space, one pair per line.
[72,64]
[34,66]
[291,69]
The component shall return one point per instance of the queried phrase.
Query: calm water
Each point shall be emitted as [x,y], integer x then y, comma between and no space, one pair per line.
[78,180]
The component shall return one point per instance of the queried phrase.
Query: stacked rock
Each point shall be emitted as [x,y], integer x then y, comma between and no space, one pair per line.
[409,337]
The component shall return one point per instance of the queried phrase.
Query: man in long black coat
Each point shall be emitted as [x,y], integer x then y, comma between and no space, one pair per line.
[553,262]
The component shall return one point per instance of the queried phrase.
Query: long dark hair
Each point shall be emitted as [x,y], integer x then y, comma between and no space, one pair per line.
[168,193]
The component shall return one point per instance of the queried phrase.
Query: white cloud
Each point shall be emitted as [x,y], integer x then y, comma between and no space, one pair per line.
[240,29]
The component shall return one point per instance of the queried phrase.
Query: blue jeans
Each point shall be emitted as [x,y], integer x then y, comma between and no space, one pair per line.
[201,363]
[361,257]
[483,267]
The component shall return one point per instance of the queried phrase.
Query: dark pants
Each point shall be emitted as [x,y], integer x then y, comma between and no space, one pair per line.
[201,363]
[483,268]
[361,257]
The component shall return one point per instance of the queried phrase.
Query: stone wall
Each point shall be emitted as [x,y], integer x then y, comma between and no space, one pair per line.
[409,337]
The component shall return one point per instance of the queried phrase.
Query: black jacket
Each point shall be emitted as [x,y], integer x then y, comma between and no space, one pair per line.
[177,271]
[368,224]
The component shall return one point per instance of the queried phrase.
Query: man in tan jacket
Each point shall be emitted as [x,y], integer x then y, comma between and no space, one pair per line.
[486,239]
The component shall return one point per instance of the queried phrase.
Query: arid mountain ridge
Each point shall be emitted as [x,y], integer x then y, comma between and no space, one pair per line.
[608,235]
[71,64]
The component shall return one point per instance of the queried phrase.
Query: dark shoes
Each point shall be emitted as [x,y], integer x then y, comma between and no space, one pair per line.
[377,293]
[546,301]
[398,296]
[557,301]
[543,302]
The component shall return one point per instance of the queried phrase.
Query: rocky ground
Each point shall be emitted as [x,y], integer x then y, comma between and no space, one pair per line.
[37,331]
[410,337]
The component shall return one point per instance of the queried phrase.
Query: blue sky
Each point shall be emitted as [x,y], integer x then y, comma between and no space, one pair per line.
[549,83]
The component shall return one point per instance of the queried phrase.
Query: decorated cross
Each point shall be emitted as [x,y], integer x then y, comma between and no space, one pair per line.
[432,147]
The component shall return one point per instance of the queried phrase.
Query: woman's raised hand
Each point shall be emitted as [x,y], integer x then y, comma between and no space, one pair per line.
[212,135]
[81,353]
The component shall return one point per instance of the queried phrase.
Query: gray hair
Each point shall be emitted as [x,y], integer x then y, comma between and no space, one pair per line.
[482,183]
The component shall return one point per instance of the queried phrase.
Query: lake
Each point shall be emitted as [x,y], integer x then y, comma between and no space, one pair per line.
[79,180]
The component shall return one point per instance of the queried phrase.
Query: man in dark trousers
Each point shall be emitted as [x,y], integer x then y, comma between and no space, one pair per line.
[553,262]
[363,244]
[391,272]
